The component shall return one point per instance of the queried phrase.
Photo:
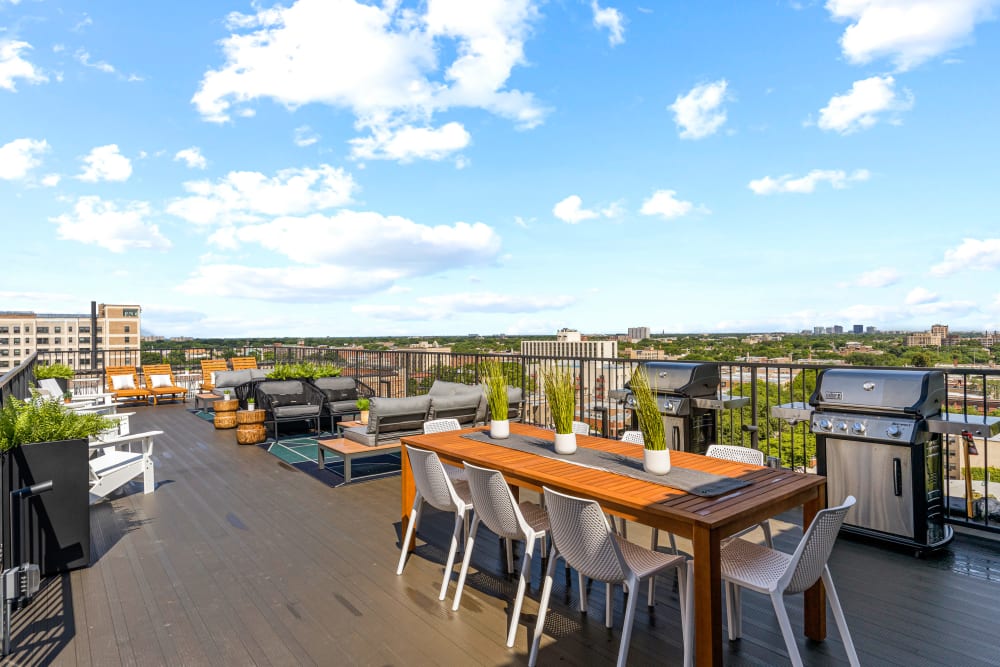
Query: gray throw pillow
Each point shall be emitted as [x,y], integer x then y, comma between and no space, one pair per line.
[398,414]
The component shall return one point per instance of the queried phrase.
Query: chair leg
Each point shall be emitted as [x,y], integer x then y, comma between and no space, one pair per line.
[583,591]
[838,615]
[148,479]
[608,611]
[766,527]
[411,528]
[543,607]
[510,555]
[778,602]
[456,536]
[685,582]
[629,620]
[469,544]
[731,610]
[529,548]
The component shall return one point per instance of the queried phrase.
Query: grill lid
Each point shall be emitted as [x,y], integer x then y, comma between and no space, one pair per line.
[681,378]
[919,393]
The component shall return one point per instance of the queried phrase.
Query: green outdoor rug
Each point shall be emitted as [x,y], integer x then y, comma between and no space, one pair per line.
[301,453]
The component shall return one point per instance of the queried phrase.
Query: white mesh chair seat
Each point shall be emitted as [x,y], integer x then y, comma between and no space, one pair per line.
[635,437]
[581,428]
[435,488]
[776,574]
[496,507]
[582,537]
[441,426]
[743,455]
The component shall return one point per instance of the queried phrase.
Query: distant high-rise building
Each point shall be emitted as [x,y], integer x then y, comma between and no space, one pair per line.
[819,330]
[838,329]
[940,330]
[569,343]
[871,329]
[858,328]
[638,333]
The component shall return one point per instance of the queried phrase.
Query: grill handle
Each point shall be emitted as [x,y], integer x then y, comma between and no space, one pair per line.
[897,476]
[676,437]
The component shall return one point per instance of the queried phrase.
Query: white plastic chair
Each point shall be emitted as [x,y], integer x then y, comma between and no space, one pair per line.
[635,437]
[776,574]
[496,507]
[581,536]
[743,455]
[581,428]
[441,426]
[435,488]
[114,463]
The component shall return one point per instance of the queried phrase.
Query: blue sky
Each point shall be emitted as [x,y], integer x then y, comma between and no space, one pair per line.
[333,167]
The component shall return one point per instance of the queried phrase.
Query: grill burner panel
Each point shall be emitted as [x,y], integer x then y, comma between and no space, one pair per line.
[868,427]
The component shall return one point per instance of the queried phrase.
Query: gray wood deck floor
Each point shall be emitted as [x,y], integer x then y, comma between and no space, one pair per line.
[239,559]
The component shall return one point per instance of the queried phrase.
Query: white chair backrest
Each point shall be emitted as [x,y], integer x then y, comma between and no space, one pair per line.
[50,387]
[736,453]
[494,503]
[635,437]
[441,425]
[814,550]
[581,428]
[582,537]
[432,481]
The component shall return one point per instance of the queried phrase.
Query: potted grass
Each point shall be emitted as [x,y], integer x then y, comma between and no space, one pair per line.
[41,441]
[495,388]
[655,455]
[61,373]
[363,404]
[561,396]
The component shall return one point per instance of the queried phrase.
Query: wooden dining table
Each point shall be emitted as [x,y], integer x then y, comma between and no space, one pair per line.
[706,521]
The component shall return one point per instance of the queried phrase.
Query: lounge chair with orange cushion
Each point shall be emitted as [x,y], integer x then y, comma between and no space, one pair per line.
[123,383]
[160,382]
[209,367]
[243,363]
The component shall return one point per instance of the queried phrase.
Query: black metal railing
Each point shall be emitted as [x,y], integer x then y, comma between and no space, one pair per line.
[411,372]
[18,381]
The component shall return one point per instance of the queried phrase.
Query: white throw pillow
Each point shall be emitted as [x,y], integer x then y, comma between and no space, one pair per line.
[213,377]
[120,382]
[160,381]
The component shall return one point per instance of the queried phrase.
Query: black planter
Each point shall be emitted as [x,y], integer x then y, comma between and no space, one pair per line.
[53,529]
[63,384]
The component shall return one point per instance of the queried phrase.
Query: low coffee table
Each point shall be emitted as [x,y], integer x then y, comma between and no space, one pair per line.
[349,450]
[205,399]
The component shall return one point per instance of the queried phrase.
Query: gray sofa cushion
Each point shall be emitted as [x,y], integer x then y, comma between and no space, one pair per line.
[257,373]
[464,408]
[443,388]
[338,388]
[291,411]
[361,435]
[231,378]
[278,387]
[342,407]
[398,414]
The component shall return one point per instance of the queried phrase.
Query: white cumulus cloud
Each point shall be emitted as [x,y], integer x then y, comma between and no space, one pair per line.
[837,178]
[109,225]
[406,143]
[20,156]
[908,32]
[571,210]
[192,157]
[611,20]
[393,67]
[699,113]
[304,136]
[51,180]
[249,196]
[861,107]
[920,295]
[13,66]
[105,163]
[881,277]
[976,254]
[665,204]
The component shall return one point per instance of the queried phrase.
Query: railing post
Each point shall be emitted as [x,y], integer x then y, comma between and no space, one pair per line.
[755,430]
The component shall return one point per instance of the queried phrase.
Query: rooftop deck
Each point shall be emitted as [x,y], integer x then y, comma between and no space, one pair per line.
[238,558]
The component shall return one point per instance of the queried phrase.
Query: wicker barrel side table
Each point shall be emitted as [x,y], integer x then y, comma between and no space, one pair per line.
[225,413]
[250,429]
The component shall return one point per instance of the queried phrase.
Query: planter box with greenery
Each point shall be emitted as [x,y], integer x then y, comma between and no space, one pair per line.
[61,373]
[42,441]
[303,370]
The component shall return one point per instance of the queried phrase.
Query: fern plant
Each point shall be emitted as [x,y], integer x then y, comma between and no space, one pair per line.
[647,412]
[495,388]
[561,396]
[23,422]
[61,371]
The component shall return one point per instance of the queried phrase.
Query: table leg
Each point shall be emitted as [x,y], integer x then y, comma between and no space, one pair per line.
[409,492]
[347,469]
[707,597]
[321,457]
[815,596]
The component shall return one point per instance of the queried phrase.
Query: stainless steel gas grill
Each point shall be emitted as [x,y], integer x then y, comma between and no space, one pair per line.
[687,395]
[873,442]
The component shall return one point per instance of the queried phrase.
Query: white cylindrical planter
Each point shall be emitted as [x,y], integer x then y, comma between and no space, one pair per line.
[656,461]
[499,428]
[565,443]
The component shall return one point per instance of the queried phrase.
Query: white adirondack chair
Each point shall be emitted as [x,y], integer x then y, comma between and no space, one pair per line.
[117,461]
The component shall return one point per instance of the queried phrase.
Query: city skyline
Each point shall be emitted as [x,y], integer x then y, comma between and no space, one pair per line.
[512,166]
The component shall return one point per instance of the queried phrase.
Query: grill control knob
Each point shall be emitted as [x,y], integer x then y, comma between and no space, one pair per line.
[858,428]
[825,424]
[842,426]
[894,431]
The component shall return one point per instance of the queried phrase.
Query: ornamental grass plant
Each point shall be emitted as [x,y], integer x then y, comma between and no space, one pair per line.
[647,412]
[495,388]
[560,393]
[23,422]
